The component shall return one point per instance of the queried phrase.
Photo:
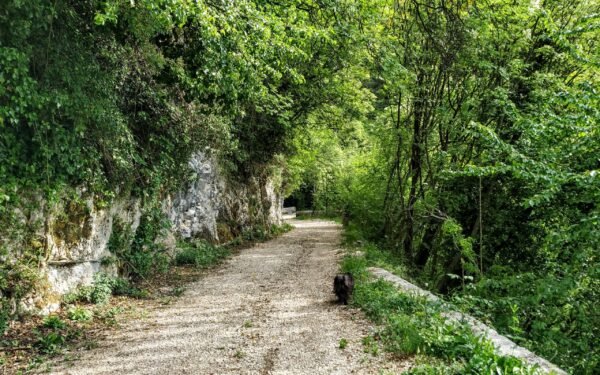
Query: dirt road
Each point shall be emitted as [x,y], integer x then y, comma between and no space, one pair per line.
[268,310]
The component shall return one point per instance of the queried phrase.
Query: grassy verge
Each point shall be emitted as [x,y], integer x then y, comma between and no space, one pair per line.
[91,311]
[410,325]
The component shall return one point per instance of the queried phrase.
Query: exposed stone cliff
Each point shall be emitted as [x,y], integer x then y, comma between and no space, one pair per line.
[76,237]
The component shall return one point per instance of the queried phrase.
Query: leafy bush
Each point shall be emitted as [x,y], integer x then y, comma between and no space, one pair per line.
[50,343]
[54,322]
[139,254]
[51,335]
[276,230]
[553,316]
[80,314]
[123,287]
[255,234]
[103,287]
[200,254]
[411,325]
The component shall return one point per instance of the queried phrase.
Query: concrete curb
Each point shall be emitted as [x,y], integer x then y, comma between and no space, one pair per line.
[503,345]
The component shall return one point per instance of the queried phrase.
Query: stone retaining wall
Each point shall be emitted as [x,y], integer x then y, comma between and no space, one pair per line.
[503,345]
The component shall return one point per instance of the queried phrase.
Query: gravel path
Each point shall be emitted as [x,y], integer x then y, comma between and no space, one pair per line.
[268,310]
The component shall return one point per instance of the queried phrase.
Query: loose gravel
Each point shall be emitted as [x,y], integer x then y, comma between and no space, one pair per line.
[268,310]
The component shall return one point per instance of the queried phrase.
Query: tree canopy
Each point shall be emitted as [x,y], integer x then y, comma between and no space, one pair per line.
[462,137]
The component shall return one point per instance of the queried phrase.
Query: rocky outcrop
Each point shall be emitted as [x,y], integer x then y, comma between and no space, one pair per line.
[211,199]
[194,211]
[76,233]
[77,240]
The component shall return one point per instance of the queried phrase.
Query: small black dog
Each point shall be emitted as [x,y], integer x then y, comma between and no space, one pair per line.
[343,286]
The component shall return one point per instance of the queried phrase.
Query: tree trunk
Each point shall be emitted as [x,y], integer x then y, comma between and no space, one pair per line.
[426,245]
[415,168]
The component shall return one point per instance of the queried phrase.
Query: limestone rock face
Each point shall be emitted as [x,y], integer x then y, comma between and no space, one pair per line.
[211,199]
[78,232]
[194,210]
[77,240]
[274,202]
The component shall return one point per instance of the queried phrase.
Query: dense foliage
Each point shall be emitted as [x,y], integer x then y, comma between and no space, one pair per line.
[462,137]
[411,325]
[116,94]
[110,99]
[476,166]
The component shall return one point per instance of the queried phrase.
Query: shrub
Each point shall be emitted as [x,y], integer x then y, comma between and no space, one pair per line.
[49,343]
[54,322]
[79,314]
[413,325]
[139,254]
[101,289]
[123,287]
[200,254]
[98,293]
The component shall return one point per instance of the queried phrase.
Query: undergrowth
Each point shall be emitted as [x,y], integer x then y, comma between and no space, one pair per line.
[203,254]
[103,287]
[200,254]
[528,310]
[263,233]
[411,325]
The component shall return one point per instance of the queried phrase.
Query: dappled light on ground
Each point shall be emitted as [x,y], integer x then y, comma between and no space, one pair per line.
[268,310]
